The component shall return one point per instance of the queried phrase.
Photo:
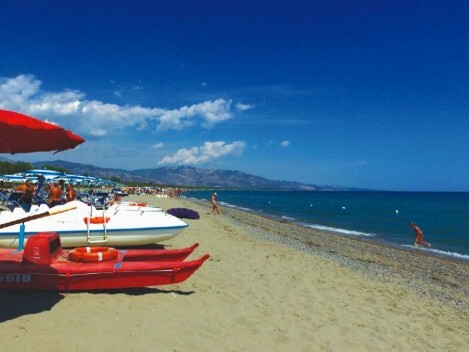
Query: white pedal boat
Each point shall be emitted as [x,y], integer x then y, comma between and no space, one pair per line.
[126,224]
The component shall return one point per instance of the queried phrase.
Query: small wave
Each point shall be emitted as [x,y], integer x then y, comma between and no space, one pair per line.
[343,231]
[439,252]
[287,217]
[228,205]
[197,199]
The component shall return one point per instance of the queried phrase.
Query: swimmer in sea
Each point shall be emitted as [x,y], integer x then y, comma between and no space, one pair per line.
[418,236]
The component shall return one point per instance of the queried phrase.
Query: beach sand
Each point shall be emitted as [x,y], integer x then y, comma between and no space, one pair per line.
[268,286]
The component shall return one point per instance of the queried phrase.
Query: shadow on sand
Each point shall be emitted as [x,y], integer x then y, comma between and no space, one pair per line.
[17,303]
[140,291]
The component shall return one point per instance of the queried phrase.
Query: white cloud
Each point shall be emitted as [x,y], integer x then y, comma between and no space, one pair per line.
[244,107]
[97,132]
[23,94]
[285,143]
[157,146]
[65,103]
[205,153]
[211,112]
[17,91]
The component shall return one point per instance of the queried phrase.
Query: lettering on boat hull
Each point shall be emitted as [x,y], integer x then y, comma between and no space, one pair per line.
[17,278]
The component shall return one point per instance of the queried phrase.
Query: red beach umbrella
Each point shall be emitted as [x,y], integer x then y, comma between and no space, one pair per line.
[24,134]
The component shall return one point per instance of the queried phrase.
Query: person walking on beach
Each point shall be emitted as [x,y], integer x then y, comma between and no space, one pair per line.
[215,206]
[418,236]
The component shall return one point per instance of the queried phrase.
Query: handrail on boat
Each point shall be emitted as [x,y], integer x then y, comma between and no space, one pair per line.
[88,232]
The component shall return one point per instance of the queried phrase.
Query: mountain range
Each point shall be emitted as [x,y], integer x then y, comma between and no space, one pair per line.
[188,176]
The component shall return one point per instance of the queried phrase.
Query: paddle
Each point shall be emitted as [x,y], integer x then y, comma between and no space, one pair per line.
[52,211]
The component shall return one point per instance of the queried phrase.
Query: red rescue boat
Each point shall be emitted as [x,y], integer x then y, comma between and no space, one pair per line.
[43,265]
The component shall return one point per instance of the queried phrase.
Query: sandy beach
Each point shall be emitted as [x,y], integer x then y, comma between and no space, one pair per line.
[268,286]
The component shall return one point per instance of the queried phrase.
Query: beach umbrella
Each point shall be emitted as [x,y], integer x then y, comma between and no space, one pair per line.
[47,174]
[14,178]
[43,172]
[24,134]
[80,179]
[62,178]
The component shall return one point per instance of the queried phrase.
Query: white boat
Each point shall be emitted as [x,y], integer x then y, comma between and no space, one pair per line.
[122,224]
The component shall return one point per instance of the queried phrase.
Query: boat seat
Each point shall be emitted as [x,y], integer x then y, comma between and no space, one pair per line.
[42,248]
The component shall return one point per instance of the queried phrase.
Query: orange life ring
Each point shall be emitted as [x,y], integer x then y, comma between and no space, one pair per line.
[96,220]
[138,204]
[92,254]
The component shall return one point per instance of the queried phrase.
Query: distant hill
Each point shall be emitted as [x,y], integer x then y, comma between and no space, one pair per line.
[184,176]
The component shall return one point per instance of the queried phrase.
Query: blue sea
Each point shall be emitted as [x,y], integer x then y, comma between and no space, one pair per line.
[379,216]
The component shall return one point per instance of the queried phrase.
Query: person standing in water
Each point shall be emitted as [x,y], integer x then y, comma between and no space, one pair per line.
[418,236]
[215,206]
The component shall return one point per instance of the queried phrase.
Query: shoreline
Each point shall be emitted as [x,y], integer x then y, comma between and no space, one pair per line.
[443,278]
[268,285]
[457,257]
[391,230]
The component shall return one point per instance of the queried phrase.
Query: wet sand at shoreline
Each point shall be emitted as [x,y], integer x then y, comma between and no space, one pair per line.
[268,286]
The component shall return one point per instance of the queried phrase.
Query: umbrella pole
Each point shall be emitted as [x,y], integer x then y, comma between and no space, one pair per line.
[21,237]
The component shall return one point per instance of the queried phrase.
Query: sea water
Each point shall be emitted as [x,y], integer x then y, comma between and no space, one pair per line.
[380,216]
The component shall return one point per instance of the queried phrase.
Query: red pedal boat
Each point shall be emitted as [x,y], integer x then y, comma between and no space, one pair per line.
[43,265]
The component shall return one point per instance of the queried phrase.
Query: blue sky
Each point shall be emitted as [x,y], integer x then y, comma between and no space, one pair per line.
[371,94]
